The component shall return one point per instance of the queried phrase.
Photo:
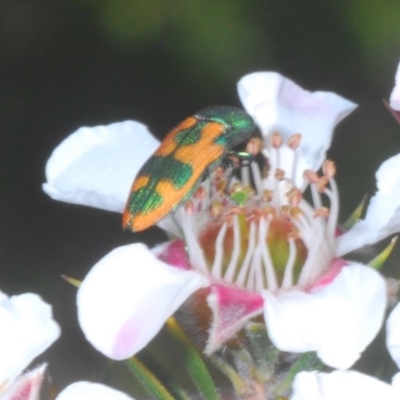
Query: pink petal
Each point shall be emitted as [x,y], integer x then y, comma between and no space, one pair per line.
[26,386]
[277,104]
[127,296]
[27,329]
[337,321]
[333,271]
[91,391]
[395,95]
[383,213]
[96,166]
[232,307]
[173,253]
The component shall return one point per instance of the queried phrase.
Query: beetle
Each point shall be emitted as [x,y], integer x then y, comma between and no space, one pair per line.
[193,149]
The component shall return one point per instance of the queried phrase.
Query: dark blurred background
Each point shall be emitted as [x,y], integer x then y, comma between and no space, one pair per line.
[71,63]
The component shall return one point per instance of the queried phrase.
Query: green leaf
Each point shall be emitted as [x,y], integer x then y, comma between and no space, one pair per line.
[238,382]
[152,385]
[192,360]
[306,362]
[380,259]
[356,215]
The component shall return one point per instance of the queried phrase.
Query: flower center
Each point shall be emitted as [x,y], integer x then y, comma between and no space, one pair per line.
[263,236]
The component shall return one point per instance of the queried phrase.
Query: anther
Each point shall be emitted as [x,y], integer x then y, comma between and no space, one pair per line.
[285,212]
[322,212]
[236,187]
[216,208]
[200,193]
[221,185]
[279,174]
[254,146]
[293,235]
[189,208]
[267,195]
[329,168]
[310,176]
[219,173]
[294,141]
[321,184]
[294,196]
[276,140]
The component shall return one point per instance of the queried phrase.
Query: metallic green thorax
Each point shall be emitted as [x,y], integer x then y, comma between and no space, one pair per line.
[239,124]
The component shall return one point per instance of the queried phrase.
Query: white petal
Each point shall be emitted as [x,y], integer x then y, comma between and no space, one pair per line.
[27,329]
[340,385]
[96,166]
[396,384]
[91,391]
[383,213]
[277,104]
[127,296]
[395,95]
[337,321]
[393,334]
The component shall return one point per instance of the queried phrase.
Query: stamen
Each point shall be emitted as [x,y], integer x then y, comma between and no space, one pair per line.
[287,281]
[293,143]
[322,212]
[231,269]
[272,282]
[310,267]
[194,250]
[216,269]
[254,267]
[275,160]
[256,177]
[310,176]
[241,278]
[316,197]
[322,183]
[333,195]
[245,175]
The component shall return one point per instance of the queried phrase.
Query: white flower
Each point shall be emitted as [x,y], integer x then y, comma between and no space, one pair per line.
[350,385]
[395,95]
[27,330]
[308,301]
[343,385]
[91,391]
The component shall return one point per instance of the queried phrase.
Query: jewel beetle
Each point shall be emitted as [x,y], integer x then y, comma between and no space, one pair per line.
[194,148]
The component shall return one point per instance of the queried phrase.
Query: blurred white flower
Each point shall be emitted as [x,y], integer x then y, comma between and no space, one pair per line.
[27,330]
[91,391]
[394,100]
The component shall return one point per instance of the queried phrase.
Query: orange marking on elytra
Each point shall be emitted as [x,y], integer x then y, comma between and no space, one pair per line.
[140,182]
[200,156]
[142,221]
[169,145]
